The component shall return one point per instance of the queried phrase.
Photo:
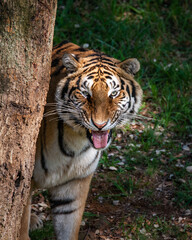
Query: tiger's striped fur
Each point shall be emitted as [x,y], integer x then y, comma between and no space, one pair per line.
[90,94]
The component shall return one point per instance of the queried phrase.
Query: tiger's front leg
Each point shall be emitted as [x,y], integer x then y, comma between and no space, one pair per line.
[67,205]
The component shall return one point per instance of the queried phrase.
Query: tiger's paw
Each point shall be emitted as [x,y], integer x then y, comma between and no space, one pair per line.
[35,222]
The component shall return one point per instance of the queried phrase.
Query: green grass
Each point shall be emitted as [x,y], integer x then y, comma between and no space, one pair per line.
[158,33]
[153,228]
[46,232]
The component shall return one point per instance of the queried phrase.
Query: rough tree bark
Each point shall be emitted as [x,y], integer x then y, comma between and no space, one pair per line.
[26,33]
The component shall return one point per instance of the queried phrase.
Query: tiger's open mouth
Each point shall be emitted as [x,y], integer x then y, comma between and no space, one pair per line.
[99,139]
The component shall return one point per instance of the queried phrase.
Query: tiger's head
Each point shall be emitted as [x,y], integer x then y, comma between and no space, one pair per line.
[98,94]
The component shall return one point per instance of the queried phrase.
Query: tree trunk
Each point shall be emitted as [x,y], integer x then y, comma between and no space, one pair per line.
[26,33]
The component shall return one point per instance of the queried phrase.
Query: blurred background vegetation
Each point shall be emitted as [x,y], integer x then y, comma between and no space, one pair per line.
[153,162]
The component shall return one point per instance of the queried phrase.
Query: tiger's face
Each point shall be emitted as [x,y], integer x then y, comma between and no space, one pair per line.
[98,94]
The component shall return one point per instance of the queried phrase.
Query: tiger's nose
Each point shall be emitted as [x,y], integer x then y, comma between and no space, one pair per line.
[100,125]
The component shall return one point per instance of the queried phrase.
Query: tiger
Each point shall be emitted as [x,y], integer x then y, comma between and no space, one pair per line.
[90,94]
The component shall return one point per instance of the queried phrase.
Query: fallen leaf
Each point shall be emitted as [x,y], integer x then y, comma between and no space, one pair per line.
[112,168]
[185,148]
[189,169]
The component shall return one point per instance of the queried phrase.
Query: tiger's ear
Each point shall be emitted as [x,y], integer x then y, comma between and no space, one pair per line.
[130,65]
[70,62]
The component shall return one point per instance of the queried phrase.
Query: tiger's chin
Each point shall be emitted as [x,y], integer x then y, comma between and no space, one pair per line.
[100,140]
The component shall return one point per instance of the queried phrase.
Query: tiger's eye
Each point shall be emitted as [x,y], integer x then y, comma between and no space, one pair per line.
[85,94]
[113,94]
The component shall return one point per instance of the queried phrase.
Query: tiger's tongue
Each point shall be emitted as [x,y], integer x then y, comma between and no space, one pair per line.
[100,139]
